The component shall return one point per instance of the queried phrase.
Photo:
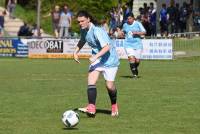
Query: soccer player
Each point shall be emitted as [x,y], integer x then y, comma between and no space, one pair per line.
[132,30]
[104,60]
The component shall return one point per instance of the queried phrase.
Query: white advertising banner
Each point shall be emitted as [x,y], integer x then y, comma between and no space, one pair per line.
[64,48]
[157,49]
[55,48]
[152,49]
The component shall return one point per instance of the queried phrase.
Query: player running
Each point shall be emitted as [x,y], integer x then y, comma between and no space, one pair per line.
[104,60]
[132,30]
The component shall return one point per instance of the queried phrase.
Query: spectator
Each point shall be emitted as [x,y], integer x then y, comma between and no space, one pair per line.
[35,31]
[152,16]
[183,17]
[24,30]
[145,8]
[113,21]
[127,11]
[171,11]
[117,33]
[145,22]
[105,25]
[177,18]
[11,8]
[65,22]
[163,21]
[2,22]
[55,15]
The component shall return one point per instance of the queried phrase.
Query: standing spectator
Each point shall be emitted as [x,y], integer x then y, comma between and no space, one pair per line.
[163,21]
[183,17]
[133,30]
[145,8]
[104,24]
[145,22]
[152,16]
[11,8]
[171,11]
[2,21]
[65,22]
[127,11]
[113,21]
[104,60]
[177,18]
[189,22]
[55,16]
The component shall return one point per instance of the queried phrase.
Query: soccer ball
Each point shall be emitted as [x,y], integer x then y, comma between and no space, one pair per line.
[70,118]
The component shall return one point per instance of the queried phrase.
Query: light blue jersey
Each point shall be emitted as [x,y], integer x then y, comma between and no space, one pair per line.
[97,38]
[133,41]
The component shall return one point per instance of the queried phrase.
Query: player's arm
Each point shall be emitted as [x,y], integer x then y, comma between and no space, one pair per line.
[77,49]
[105,49]
[141,32]
[121,34]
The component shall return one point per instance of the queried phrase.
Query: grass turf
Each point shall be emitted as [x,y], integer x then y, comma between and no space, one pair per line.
[35,92]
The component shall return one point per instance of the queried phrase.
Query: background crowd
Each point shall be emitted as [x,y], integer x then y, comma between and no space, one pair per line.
[168,20]
[174,18]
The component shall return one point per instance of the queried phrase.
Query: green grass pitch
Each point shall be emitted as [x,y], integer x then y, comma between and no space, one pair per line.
[35,92]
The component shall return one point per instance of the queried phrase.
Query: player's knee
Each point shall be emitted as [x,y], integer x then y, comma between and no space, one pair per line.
[110,86]
[132,59]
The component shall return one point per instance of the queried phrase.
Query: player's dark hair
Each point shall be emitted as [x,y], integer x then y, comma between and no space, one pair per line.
[85,14]
[130,15]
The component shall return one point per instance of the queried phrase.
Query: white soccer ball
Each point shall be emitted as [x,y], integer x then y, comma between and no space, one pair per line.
[70,118]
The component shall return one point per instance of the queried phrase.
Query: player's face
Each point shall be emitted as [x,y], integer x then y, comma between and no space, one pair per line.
[130,20]
[83,22]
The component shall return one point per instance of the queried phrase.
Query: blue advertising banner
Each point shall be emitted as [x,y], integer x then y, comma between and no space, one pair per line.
[13,48]
[22,48]
[7,48]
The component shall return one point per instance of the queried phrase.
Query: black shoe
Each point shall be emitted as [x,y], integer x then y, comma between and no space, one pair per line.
[135,76]
[91,115]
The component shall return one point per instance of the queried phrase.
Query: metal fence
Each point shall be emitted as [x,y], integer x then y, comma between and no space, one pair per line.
[186,44]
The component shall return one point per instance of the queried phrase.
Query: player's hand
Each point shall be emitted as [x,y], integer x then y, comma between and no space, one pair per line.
[134,33]
[76,58]
[92,59]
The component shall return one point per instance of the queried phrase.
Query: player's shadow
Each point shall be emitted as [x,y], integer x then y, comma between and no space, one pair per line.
[129,77]
[103,111]
[70,129]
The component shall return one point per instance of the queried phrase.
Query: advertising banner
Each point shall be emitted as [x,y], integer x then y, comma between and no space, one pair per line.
[55,48]
[7,48]
[64,48]
[21,48]
[13,48]
[152,49]
[157,49]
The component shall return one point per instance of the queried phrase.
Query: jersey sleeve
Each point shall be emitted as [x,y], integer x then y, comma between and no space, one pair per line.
[82,39]
[102,37]
[142,29]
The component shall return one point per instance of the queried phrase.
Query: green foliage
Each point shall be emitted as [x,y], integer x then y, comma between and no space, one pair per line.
[99,9]
[28,16]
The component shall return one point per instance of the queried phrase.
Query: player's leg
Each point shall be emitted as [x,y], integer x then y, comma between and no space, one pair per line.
[133,65]
[92,92]
[131,58]
[90,109]
[137,54]
[109,75]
